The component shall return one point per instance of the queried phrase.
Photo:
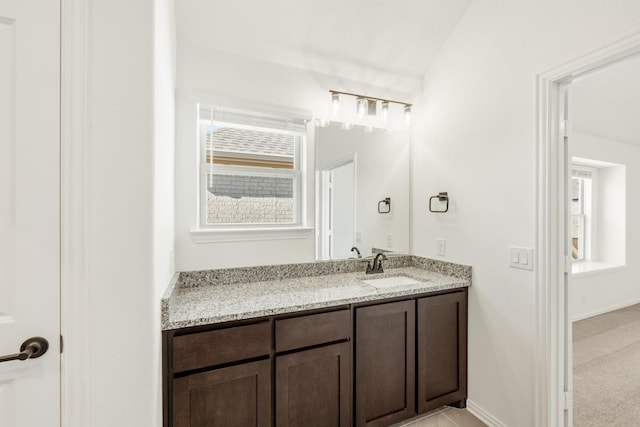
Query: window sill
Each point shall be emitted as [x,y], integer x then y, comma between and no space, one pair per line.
[587,268]
[220,235]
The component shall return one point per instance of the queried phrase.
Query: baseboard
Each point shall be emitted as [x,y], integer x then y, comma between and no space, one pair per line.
[483,415]
[604,310]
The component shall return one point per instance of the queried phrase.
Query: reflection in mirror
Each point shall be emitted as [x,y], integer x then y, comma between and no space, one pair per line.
[356,170]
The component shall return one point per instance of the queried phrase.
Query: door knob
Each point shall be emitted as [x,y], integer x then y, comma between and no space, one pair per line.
[30,349]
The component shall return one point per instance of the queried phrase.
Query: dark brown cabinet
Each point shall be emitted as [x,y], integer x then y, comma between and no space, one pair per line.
[385,363]
[442,351]
[236,396]
[218,377]
[313,370]
[313,387]
[371,365]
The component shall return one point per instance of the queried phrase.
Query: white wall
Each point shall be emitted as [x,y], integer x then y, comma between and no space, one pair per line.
[382,170]
[209,76]
[608,290]
[475,137]
[130,110]
[612,210]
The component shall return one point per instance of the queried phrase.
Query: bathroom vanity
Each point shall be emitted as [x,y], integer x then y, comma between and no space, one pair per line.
[314,344]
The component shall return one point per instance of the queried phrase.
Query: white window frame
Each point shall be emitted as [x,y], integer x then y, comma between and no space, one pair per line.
[254,231]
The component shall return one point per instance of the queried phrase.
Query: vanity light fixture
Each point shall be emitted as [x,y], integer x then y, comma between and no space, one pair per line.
[368,105]
[335,102]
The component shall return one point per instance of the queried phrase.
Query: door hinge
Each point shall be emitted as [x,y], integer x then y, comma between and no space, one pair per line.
[567,128]
[568,400]
[567,264]
[61,344]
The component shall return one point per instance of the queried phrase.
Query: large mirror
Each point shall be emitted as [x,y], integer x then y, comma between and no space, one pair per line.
[362,195]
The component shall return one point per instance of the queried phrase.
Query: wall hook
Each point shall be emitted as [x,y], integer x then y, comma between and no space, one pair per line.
[387,202]
[443,197]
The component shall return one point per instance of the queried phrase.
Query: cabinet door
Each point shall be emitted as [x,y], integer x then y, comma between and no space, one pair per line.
[313,387]
[442,350]
[237,396]
[385,363]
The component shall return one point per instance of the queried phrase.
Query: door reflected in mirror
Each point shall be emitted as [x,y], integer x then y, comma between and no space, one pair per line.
[356,169]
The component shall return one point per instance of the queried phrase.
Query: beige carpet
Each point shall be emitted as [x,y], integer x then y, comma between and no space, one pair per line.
[606,369]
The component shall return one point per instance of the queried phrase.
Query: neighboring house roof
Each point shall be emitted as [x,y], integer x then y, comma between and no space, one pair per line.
[235,140]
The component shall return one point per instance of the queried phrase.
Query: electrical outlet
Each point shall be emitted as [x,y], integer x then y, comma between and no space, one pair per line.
[358,236]
[389,240]
[441,247]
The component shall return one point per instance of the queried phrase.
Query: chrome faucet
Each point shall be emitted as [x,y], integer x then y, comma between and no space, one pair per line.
[377,264]
[357,251]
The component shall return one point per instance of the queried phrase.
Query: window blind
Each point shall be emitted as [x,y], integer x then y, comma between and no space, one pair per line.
[249,118]
[578,173]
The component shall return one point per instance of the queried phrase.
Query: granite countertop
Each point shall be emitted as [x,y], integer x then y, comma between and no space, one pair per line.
[215,296]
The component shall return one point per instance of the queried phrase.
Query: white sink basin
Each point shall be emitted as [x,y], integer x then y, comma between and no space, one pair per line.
[391,282]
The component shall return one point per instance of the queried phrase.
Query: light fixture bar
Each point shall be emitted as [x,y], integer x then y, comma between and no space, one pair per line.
[337,92]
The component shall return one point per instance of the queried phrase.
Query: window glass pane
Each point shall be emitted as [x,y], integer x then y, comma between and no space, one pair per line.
[577,196]
[229,145]
[577,237]
[246,199]
[580,195]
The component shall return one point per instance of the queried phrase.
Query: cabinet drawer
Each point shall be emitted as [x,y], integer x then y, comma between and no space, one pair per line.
[211,348]
[313,329]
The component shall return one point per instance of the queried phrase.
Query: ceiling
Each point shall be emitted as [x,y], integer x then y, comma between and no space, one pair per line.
[378,42]
[606,103]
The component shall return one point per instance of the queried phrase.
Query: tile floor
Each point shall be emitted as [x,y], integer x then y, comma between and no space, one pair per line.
[444,417]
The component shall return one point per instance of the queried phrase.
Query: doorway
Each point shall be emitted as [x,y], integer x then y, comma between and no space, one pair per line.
[554,367]
[605,164]
[338,215]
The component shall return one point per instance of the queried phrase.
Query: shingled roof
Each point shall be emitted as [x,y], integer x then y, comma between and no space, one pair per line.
[236,140]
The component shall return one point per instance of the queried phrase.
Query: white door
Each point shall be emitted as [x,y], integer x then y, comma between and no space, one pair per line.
[342,211]
[30,209]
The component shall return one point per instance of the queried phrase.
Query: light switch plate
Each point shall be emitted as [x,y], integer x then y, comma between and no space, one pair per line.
[520,257]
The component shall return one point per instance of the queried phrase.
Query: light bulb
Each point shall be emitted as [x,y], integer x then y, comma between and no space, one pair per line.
[361,104]
[407,113]
[335,102]
[384,107]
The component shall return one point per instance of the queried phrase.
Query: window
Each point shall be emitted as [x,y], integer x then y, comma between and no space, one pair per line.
[251,169]
[581,211]
[597,215]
